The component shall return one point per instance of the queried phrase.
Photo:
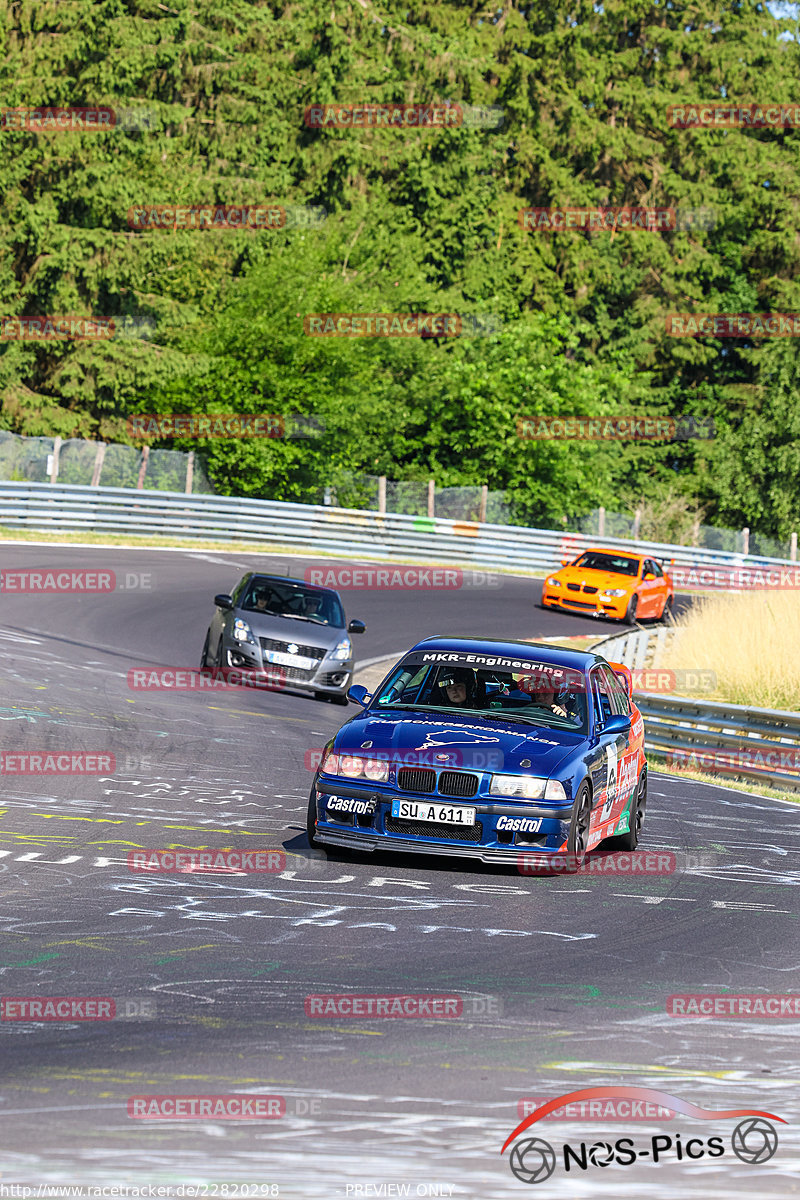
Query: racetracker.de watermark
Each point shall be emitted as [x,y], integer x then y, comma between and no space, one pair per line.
[606,429]
[371,115]
[76,1008]
[595,218]
[610,1109]
[60,119]
[401,578]
[635,862]
[223,425]
[206,861]
[402,1006]
[177,679]
[477,758]
[732,579]
[727,116]
[734,759]
[728,1004]
[608,218]
[694,680]
[225,216]
[72,762]
[733,325]
[203,1108]
[79,582]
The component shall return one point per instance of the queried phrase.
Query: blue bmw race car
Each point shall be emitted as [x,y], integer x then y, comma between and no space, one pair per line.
[485,748]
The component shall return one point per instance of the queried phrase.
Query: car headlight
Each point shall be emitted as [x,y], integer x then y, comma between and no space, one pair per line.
[607,595]
[343,650]
[553,582]
[526,787]
[351,766]
[242,631]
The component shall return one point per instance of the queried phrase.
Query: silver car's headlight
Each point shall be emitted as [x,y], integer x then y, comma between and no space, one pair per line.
[343,650]
[526,787]
[242,631]
[612,592]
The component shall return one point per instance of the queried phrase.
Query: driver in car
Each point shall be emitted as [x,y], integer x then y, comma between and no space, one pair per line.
[542,693]
[459,687]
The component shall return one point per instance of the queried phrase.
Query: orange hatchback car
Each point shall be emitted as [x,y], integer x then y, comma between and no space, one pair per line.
[610,583]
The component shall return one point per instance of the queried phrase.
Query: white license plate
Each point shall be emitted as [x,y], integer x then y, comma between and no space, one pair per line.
[290,660]
[442,814]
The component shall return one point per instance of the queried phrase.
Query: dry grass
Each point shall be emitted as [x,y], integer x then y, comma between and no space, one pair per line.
[751,640]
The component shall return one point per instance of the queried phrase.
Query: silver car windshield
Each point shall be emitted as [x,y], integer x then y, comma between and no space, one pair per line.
[294,601]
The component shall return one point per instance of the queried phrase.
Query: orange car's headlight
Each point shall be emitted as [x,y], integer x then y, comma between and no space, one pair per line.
[612,593]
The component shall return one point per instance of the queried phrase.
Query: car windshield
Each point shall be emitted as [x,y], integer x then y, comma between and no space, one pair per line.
[542,694]
[294,601]
[617,564]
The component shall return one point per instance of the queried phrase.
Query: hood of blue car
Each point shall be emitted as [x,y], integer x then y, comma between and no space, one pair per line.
[457,741]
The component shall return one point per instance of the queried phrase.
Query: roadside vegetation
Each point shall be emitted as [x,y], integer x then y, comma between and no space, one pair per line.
[751,640]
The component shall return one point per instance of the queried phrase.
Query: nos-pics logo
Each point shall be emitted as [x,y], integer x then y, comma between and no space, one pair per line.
[754,1140]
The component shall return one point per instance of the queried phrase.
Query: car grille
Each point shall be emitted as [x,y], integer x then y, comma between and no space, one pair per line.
[292,674]
[416,779]
[306,651]
[590,591]
[574,587]
[449,833]
[423,780]
[579,603]
[457,783]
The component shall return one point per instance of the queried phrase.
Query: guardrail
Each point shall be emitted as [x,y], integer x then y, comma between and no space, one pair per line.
[327,530]
[760,744]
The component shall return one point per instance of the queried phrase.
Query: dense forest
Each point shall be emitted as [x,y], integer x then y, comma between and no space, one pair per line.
[558,105]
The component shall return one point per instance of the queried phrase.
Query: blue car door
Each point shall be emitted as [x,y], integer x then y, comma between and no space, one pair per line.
[611,758]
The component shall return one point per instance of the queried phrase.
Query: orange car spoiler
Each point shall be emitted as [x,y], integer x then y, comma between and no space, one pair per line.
[624,674]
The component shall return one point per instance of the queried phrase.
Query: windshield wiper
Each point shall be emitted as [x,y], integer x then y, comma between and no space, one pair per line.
[300,617]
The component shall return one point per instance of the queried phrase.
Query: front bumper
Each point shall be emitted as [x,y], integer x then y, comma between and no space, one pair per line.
[588,606]
[333,677]
[543,829]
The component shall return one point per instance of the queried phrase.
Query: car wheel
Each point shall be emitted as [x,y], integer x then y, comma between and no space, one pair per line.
[323,696]
[578,836]
[666,612]
[204,655]
[630,840]
[311,818]
[630,611]
[341,700]
[219,655]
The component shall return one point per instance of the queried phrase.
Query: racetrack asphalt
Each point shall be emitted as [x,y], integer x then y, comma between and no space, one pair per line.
[566,978]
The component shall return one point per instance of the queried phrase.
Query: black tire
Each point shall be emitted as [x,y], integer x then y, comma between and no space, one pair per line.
[204,655]
[218,656]
[630,840]
[341,700]
[311,818]
[323,696]
[578,837]
[666,613]
[630,611]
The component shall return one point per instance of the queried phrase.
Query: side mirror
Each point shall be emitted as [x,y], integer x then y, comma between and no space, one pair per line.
[359,695]
[356,627]
[649,575]
[223,601]
[617,724]
[565,562]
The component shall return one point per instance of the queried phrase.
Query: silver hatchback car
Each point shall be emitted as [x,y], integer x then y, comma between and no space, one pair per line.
[272,624]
